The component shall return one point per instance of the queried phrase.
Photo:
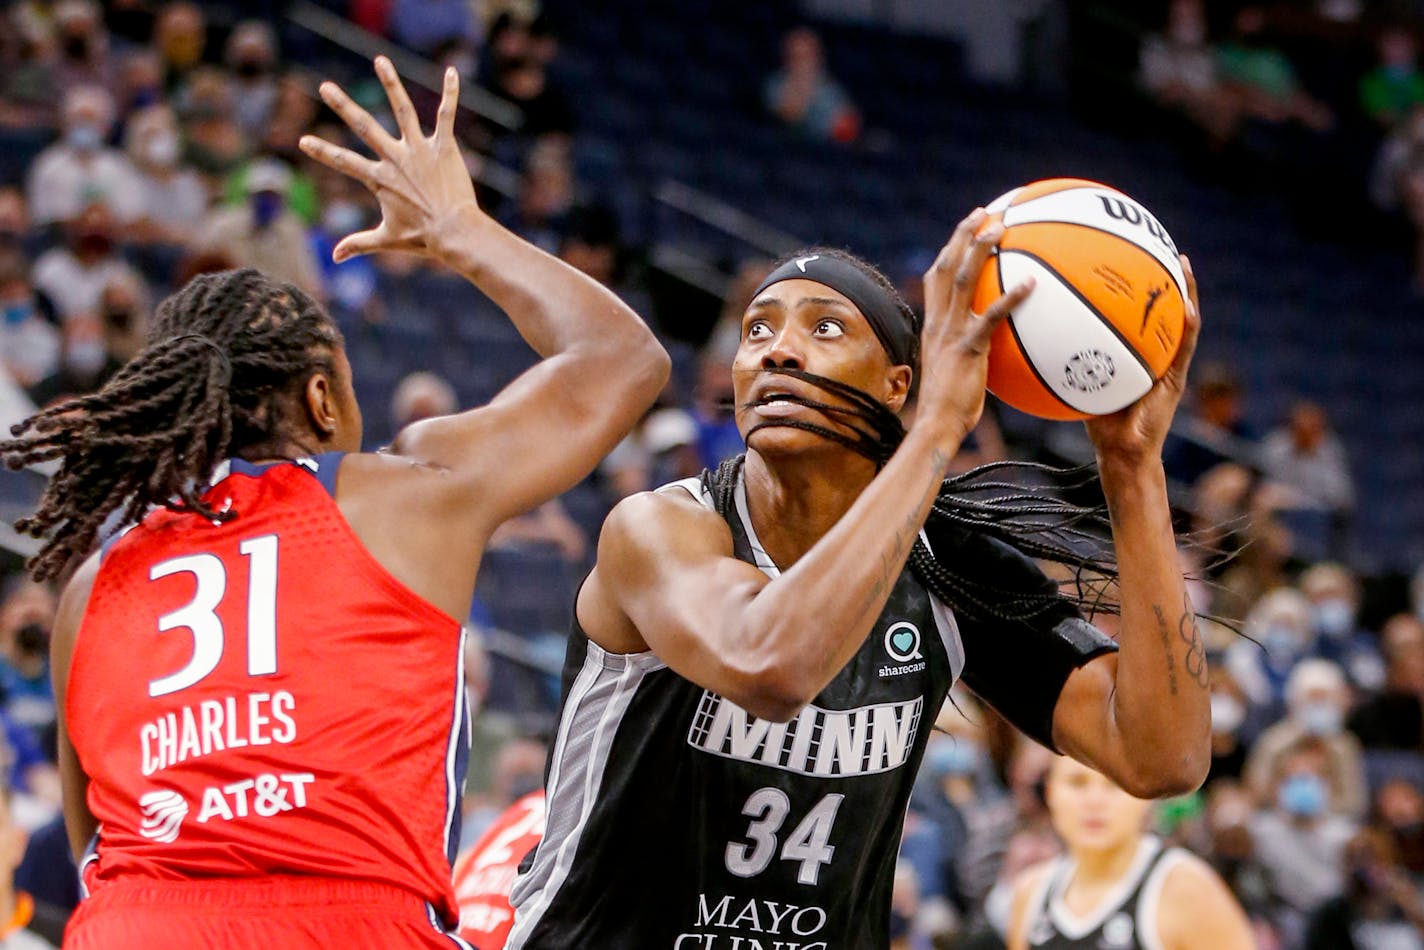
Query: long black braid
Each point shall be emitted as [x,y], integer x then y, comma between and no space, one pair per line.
[225,358]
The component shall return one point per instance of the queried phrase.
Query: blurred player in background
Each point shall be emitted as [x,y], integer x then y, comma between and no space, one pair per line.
[753,671]
[262,709]
[1118,886]
[485,873]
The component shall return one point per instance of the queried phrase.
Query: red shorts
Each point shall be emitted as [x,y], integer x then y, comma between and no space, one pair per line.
[291,913]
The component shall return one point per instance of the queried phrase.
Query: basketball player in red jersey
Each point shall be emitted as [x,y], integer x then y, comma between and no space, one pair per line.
[260,687]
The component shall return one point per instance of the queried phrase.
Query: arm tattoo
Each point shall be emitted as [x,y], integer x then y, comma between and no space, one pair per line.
[1166,648]
[1195,661]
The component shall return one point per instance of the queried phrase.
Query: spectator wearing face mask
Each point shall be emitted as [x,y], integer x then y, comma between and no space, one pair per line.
[1298,840]
[1232,728]
[83,43]
[1334,596]
[1280,625]
[251,54]
[80,169]
[1317,698]
[1394,719]
[350,284]
[96,347]
[262,232]
[73,276]
[1380,907]
[29,344]
[175,200]
[26,616]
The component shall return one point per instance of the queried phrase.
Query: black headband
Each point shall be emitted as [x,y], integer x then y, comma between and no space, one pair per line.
[886,317]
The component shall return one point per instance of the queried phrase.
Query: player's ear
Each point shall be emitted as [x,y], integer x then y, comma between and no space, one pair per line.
[319,398]
[899,382]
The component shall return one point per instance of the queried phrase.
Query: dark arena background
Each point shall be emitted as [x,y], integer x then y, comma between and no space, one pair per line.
[672,151]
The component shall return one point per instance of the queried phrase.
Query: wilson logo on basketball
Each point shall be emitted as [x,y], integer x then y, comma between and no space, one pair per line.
[1121,210]
[163,814]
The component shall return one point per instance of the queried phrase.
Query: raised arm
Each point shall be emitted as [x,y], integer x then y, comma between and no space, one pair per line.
[667,580]
[601,366]
[1142,715]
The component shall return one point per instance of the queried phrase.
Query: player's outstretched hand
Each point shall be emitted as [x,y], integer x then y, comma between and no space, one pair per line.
[419,180]
[1140,431]
[954,353]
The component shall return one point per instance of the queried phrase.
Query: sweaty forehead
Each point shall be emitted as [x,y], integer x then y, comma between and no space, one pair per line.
[798,292]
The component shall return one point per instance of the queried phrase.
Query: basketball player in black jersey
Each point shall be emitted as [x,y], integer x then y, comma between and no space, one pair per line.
[753,673]
[1118,888]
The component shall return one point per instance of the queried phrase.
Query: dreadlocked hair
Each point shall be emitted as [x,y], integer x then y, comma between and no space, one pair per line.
[224,358]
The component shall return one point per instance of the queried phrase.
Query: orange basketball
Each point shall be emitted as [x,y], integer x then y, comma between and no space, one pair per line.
[1105,316]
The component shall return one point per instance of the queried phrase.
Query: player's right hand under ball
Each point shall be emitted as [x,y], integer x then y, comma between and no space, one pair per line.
[421,181]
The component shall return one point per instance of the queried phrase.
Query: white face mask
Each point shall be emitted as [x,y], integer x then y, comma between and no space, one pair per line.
[162,150]
[1335,617]
[1227,713]
[85,357]
[1320,718]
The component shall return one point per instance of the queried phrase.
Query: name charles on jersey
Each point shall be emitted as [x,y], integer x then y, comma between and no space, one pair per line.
[214,725]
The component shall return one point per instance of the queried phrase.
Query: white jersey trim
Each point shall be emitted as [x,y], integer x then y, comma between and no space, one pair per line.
[1076,928]
[597,702]
[946,624]
[1148,933]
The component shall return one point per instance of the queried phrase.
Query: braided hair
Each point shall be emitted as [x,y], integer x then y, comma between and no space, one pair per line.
[225,360]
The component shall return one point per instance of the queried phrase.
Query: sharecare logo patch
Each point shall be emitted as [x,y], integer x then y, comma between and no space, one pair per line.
[826,742]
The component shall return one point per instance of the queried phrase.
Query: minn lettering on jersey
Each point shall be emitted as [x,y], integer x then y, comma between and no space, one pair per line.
[825,742]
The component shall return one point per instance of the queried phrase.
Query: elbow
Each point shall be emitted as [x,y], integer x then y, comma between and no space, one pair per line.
[1178,775]
[775,689]
[654,368]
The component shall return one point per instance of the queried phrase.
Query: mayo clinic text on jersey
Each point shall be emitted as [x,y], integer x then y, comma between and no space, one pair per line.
[214,725]
[824,742]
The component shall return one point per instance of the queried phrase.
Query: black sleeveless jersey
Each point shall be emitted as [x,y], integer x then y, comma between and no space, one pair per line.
[676,819]
[1126,920]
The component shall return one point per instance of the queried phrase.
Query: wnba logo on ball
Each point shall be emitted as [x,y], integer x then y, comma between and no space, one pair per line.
[1089,371]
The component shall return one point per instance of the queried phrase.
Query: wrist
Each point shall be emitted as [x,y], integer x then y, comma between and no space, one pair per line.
[455,234]
[1126,464]
[945,433]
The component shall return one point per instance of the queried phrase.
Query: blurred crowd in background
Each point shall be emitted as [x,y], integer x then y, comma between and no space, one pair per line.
[143,142]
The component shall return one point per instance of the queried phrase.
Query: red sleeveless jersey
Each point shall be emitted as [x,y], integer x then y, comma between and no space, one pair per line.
[261,696]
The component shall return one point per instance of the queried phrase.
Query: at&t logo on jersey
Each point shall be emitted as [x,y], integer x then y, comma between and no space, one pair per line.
[163,813]
[826,742]
[902,644]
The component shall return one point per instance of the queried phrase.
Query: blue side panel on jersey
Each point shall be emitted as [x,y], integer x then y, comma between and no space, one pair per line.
[462,766]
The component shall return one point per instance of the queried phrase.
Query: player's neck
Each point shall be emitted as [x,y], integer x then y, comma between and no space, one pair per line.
[1097,868]
[793,502]
[280,450]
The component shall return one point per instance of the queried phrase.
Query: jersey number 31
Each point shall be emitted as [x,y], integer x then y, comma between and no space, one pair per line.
[201,619]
